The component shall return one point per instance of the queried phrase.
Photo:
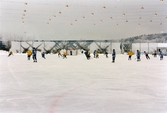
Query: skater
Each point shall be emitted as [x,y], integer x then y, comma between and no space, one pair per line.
[29,53]
[87,54]
[113,55]
[71,52]
[43,55]
[64,55]
[34,55]
[106,53]
[161,54]
[146,54]
[155,53]
[138,55]
[59,53]
[94,53]
[97,54]
[10,53]
[130,53]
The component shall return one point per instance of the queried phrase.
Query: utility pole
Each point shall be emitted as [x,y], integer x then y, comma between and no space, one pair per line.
[25,34]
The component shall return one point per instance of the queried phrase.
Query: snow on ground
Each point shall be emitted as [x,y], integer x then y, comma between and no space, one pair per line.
[78,85]
[3,52]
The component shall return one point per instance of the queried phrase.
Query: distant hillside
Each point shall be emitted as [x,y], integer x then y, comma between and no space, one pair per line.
[154,38]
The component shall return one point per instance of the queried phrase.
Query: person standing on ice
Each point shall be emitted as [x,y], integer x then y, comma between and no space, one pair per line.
[64,55]
[94,53]
[97,54]
[138,55]
[29,53]
[161,54]
[34,54]
[130,53]
[113,55]
[59,53]
[106,53]
[87,54]
[155,53]
[43,55]
[146,54]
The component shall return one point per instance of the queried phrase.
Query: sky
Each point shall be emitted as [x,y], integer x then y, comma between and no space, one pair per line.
[81,19]
[78,85]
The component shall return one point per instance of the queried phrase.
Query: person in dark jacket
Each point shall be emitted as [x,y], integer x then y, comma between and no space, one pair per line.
[87,54]
[71,52]
[146,54]
[34,54]
[113,55]
[43,55]
[161,54]
[94,53]
[138,55]
[106,53]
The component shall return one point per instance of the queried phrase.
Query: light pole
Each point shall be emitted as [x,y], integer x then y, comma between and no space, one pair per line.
[25,34]
[20,44]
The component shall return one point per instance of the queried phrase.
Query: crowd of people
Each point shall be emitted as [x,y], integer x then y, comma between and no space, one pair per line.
[138,54]
[130,53]
[33,53]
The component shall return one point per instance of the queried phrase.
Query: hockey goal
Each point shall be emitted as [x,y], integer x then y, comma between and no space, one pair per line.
[72,52]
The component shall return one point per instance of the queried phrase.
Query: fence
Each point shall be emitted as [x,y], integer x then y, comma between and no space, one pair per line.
[105,46]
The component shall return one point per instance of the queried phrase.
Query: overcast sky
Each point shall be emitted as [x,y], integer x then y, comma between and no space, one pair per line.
[81,19]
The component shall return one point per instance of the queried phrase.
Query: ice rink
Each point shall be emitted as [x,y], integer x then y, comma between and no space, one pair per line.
[78,85]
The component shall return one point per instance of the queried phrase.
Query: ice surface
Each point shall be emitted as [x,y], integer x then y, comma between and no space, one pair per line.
[78,85]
